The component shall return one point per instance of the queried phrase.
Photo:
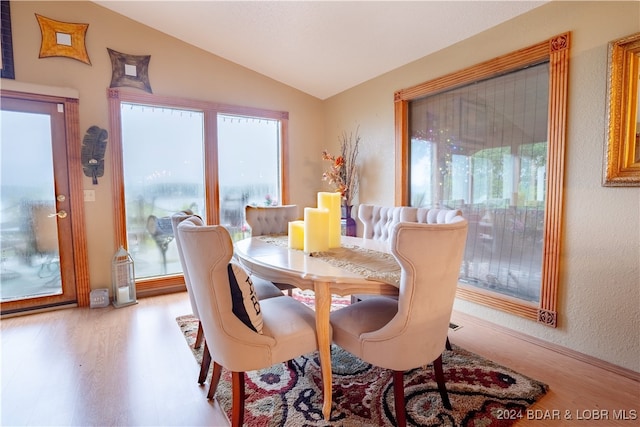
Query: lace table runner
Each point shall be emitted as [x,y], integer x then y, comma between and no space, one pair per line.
[373,265]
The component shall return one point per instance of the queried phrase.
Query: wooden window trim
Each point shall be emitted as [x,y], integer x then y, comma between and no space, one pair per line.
[172,283]
[556,51]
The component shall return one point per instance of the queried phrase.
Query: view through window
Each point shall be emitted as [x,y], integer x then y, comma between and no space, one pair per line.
[164,164]
[162,150]
[482,148]
[248,167]
[30,263]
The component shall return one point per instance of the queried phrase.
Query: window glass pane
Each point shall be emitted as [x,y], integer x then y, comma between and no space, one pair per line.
[30,263]
[482,148]
[163,164]
[249,167]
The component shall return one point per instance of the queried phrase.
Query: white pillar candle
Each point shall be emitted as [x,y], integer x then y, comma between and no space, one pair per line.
[296,234]
[332,202]
[123,294]
[316,228]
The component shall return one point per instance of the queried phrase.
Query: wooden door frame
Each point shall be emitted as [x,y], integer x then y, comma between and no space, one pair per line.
[76,208]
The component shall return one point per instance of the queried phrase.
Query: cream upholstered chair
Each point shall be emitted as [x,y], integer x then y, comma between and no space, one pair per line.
[379,220]
[270,219]
[265,220]
[411,331]
[264,289]
[277,329]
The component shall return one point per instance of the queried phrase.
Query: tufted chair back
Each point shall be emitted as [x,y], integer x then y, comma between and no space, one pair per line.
[431,215]
[378,221]
[270,219]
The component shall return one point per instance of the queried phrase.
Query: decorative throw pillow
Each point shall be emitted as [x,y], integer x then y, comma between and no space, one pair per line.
[243,296]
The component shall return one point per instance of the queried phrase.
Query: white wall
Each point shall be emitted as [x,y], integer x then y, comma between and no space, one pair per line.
[599,296]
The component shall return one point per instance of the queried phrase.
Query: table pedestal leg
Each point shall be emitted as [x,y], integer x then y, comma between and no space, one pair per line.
[323,330]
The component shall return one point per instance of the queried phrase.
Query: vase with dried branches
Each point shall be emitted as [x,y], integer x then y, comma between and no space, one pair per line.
[343,175]
[343,172]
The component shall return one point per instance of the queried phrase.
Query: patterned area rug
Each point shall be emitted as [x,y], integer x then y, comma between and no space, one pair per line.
[309,297]
[482,393]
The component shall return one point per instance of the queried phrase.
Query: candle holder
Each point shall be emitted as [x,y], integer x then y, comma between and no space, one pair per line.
[123,279]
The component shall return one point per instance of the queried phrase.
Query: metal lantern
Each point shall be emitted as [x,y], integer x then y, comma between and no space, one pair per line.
[123,279]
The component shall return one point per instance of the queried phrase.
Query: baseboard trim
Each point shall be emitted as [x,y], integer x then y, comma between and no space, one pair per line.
[41,309]
[152,292]
[594,361]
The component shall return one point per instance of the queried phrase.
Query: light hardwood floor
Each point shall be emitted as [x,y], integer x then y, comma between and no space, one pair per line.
[131,366]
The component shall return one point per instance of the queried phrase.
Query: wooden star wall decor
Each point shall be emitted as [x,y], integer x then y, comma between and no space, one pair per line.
[130,70]
[63,39]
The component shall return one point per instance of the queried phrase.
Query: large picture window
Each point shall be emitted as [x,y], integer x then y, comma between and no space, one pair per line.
[489,140]
[482,148]
[172,155]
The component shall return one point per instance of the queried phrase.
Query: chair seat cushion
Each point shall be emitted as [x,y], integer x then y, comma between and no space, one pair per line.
[245,303]
[350,322]
[265,289]
[292,325]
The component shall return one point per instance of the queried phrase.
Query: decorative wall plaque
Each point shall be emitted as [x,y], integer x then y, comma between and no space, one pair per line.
[63,39]
[130,70]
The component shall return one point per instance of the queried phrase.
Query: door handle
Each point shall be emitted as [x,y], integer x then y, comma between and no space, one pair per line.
[59,214]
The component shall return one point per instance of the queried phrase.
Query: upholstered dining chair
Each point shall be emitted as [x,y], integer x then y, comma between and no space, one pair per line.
[270,219]
[411,331]
[378,221]
[264,220]
[248,334]
[264,289]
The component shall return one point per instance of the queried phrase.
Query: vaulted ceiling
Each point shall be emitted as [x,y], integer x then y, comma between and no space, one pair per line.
[321,47]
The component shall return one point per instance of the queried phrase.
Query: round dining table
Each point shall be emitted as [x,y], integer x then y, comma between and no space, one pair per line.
[340,271]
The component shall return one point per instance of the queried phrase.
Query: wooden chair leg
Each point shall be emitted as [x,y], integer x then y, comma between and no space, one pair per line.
[199,336]
[215,379]
[448,344]
[398,394]
[204,366]
[237,405]
[437,368]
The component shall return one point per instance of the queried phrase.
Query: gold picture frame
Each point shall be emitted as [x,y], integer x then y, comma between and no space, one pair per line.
[63,39]
[130,70]
[622,149]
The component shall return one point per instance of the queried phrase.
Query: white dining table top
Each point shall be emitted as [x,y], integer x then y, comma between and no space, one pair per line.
[274,261]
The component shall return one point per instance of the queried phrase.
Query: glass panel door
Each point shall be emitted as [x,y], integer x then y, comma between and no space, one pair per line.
[32,212]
